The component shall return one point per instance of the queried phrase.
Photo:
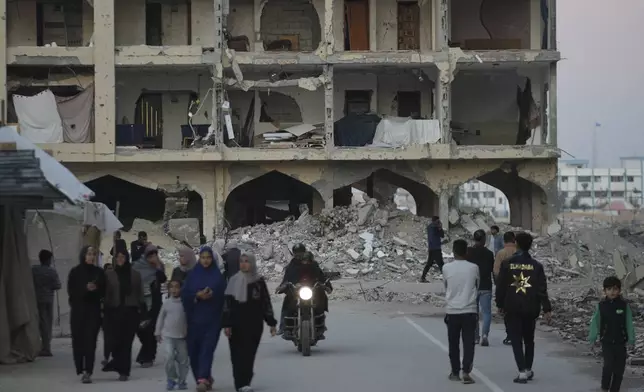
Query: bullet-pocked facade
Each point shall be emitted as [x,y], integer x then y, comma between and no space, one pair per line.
[243,103]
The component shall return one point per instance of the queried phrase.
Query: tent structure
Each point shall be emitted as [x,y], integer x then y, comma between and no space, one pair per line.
[29,179]
[60,230]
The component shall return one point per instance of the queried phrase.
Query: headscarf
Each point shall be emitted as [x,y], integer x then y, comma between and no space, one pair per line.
[188,255]
[147,271]
[231,261]
[124,274]
[208,311]
[238,284]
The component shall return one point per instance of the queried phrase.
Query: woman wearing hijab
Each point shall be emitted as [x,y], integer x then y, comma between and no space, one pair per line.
[187,260]
[203,301]
[247,307]
[107,346]
[124,303]
[85,287]
[152,277]
[231,260]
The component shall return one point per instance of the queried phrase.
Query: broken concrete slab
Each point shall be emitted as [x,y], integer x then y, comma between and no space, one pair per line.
[185,229]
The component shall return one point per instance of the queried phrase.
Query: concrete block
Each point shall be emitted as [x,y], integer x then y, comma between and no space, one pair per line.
[185,229]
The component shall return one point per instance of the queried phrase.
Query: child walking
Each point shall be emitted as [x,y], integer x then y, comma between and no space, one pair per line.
[612,323]
[171,329]
[247,307]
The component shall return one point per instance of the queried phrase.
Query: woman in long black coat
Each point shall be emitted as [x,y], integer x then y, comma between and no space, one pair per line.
[85,287]
[124,307]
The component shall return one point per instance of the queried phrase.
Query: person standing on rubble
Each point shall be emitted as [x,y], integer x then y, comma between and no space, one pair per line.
[612,323]
[521,294]
[484,259]
[46,283]
[86,288]
[509,249]
[153,277]
[203,301]
[435,234]
[461,279]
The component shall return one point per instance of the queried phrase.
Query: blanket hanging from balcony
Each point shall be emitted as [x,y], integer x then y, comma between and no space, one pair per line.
[38,117]
[77,113]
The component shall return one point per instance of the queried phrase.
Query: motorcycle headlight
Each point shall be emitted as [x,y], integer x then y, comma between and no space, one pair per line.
[306,293]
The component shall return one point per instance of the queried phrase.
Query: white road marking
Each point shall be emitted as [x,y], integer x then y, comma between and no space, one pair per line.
[489,383]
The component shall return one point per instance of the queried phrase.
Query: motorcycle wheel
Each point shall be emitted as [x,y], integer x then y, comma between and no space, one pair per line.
[305,339]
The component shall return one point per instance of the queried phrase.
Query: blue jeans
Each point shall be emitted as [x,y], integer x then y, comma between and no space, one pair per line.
[485,309]
[177,364]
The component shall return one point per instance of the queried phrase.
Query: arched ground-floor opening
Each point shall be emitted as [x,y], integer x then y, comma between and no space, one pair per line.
[129,200]
[269,198]
[478,195]
[508,197]
[390,188]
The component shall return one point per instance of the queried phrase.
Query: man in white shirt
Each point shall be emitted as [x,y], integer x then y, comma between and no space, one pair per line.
[461,279]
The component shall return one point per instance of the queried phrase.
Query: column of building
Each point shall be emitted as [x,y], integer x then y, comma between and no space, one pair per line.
[3,61]
[443,91]
[104,81]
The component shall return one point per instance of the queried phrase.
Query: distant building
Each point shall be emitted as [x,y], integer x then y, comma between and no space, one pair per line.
[477,194]
[580,187]
[583,187]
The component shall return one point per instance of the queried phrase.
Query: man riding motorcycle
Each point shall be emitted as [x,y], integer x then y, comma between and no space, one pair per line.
[307,271]
[298,251]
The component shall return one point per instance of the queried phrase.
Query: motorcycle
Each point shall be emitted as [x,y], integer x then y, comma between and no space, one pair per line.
[305,329]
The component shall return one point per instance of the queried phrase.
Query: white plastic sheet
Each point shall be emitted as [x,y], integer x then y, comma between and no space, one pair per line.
[56,174]
[38,117]
[403,131]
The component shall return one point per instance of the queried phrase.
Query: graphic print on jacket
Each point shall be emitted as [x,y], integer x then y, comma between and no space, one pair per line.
[522,288]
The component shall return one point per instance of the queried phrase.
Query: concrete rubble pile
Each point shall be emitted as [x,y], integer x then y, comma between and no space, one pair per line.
[573,309]
[360,241]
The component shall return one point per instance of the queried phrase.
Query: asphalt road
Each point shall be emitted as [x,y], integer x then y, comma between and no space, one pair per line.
[369,347]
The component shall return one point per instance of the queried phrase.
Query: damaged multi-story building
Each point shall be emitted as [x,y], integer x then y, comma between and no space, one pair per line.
[243,111]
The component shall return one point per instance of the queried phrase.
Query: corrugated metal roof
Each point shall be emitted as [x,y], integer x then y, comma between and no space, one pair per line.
[22,181]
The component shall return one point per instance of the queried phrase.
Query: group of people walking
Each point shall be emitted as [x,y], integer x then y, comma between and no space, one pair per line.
[521,298]
[126,300]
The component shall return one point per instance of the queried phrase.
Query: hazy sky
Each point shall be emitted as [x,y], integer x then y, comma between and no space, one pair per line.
[600,78]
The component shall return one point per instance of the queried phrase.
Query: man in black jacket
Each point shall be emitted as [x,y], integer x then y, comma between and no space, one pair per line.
[521,293]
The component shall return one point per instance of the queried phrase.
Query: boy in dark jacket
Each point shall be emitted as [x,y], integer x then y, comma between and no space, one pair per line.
[612,323]
[521,293]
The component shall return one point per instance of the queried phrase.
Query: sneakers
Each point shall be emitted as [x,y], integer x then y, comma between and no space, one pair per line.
[485,342]
[423,280]
[123,377]
[202,386]
[245,389]
[467,379]
[182,386]
[170,385]
[530,374]
[87,378]
[454,377]
[507,342]
[522,378]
